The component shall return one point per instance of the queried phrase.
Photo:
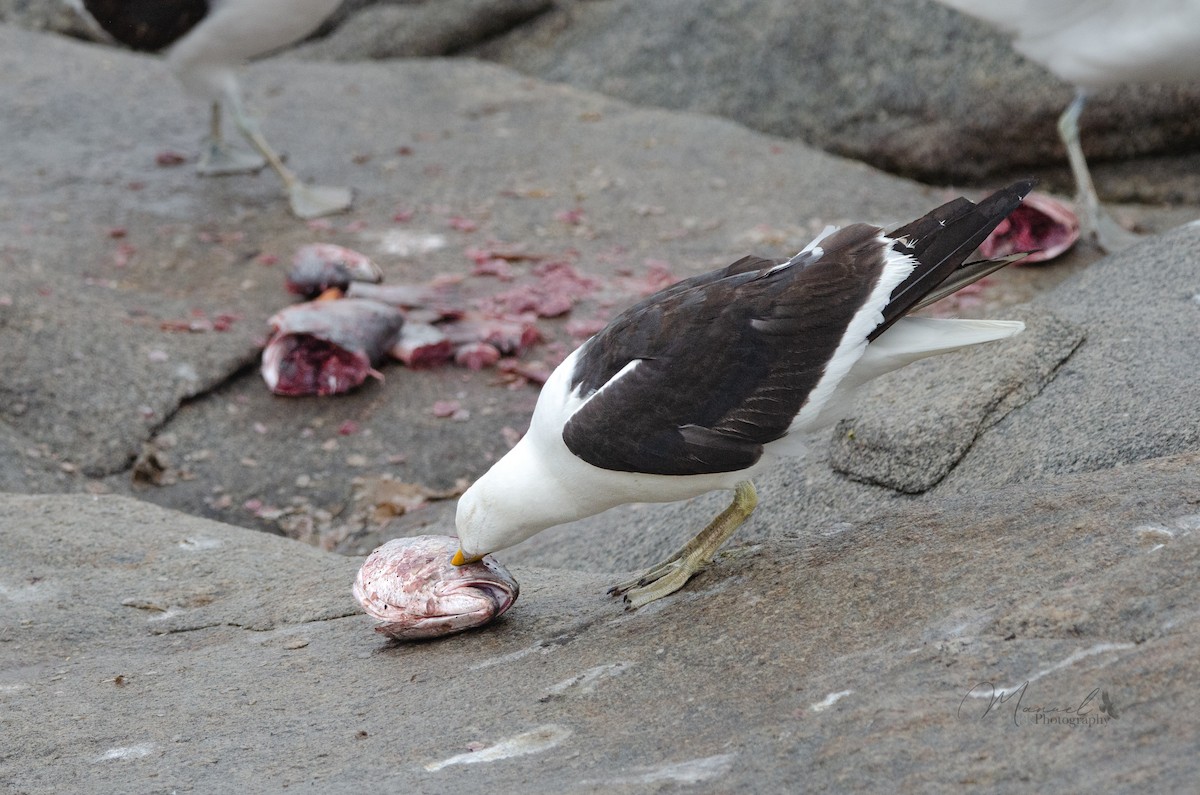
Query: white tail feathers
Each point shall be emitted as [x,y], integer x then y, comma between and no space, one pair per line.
[910,339]
[913,338]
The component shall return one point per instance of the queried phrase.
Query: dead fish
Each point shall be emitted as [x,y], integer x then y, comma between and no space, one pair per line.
[411,586]
[1041,225]
[320,266]
[327,347]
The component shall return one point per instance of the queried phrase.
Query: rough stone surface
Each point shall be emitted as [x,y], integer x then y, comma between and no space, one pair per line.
[835,643]
[55,16]
[144,649]
[405,30]
[1128,392]
[910,87]
[911,444]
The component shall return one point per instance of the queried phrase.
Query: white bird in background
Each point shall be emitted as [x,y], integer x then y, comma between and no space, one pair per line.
[706,383]
[204,42]
[1093,45]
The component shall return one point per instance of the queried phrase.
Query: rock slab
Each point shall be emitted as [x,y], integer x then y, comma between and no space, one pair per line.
[143,649]
[918,423]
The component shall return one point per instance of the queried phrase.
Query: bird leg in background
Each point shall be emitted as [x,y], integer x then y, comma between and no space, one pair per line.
[673,573]
[1097,224]
[307,201]
[219,158]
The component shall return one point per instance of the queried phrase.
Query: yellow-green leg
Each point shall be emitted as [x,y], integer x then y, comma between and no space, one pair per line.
[674,572]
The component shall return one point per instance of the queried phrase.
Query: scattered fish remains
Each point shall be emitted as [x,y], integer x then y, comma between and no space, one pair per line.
[332,344]
[1042,226]
[411,587]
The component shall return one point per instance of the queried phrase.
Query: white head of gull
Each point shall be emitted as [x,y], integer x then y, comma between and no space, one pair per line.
[712,380]
[1095,45]
[204,42]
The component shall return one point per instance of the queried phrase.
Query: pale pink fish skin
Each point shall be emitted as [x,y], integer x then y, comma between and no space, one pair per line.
[328,347]
[411,586]
[437,301]
[1042,225]
[317,267]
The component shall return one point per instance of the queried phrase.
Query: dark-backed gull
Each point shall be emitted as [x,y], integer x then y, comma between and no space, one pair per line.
[711,381]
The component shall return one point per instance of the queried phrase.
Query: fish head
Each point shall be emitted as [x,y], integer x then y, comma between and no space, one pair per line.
[318,266]
[411,586]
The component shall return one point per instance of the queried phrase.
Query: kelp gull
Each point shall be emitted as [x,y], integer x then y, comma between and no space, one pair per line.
[709,382]
[205,41]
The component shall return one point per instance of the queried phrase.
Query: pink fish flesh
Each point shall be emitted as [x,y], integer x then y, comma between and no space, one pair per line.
[422,346]
[511,335]
[1041,225]
[328,347]
[476,355]
[411,586]
[320,266]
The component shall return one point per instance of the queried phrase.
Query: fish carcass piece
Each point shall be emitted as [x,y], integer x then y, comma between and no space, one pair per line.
[320,266]
[411,586]
[422,345]
[1042,225]
[328,347]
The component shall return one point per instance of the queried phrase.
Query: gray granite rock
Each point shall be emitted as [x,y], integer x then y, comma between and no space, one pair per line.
[1130,388]
[910,87]
[408,29]
[46,15]
[913,426]
[840,661]
[143,649]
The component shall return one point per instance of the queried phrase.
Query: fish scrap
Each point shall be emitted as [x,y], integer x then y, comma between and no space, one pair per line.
[1043,226]
[412,588]
[328,347]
